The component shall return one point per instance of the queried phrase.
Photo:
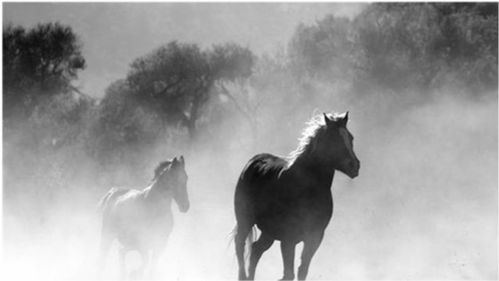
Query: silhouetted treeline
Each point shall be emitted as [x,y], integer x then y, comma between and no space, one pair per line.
[180,94]
[403,46]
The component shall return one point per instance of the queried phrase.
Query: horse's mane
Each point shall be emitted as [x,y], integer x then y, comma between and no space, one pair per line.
[161,166]
[312,132]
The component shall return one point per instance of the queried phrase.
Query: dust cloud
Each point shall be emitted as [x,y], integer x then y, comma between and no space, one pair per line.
[423,207]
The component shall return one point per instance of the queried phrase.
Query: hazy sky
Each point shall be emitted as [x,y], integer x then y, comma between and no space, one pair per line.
[113,34]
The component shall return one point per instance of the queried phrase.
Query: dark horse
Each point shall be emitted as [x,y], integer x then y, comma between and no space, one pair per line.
[290,199]
[142,220]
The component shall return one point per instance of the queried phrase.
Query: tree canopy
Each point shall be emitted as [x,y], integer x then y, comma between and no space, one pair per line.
[402,46]
[176,80]
[37,62]
[170,86]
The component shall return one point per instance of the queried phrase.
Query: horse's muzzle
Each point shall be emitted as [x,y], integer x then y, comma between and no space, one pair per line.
[353,174]
[351,168]
[184,207]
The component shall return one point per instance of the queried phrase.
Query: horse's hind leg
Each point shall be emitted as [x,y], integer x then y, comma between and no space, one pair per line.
[138,274]
[156,252]
[257,249]
[105,244]
[242,231]
[122,257]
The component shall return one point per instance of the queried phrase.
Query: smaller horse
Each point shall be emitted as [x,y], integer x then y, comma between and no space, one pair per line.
[142,220]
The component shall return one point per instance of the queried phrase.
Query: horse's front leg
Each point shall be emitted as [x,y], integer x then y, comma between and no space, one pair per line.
[145,262]
[288,259]
[154,262]
[155,255]
[105,244]
[122,260]
[310,246]
[138,273]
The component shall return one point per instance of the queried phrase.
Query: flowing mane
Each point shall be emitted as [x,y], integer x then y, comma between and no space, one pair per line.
[161,166]
[312,132]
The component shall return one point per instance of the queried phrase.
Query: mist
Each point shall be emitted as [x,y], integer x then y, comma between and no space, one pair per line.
[423,207]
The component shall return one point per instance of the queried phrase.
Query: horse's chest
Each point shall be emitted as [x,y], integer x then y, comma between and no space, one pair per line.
[141,228]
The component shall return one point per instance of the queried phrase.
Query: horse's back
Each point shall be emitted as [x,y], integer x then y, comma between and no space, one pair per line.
[263,167]
[110,198]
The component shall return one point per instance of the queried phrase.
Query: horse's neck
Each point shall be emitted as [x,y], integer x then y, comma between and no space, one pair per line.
[309,168]
[153,193]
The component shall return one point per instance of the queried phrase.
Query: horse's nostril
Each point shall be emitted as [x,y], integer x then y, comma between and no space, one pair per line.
[185,207]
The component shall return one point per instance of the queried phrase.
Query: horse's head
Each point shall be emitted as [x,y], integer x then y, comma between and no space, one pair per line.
[338,144]
[175,178]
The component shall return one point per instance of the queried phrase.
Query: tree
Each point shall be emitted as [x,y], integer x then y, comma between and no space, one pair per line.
[60,120]
[232,66]
[324,50]
[427,45]
[402,47]
[165,96]
[177,80]
[42,61]
[121,124]
[172,82]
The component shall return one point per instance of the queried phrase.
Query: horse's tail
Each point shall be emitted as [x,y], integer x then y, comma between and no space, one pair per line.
[249,240]
[103,202]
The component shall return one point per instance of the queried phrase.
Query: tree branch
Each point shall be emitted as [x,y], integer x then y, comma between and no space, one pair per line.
[78,91]
[234,101]
[170,86]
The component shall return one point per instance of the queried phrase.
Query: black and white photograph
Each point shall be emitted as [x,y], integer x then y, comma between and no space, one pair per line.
[249,141]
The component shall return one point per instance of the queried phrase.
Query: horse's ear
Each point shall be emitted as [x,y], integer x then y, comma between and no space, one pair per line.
[182,160]
[344,119]
[327,120]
